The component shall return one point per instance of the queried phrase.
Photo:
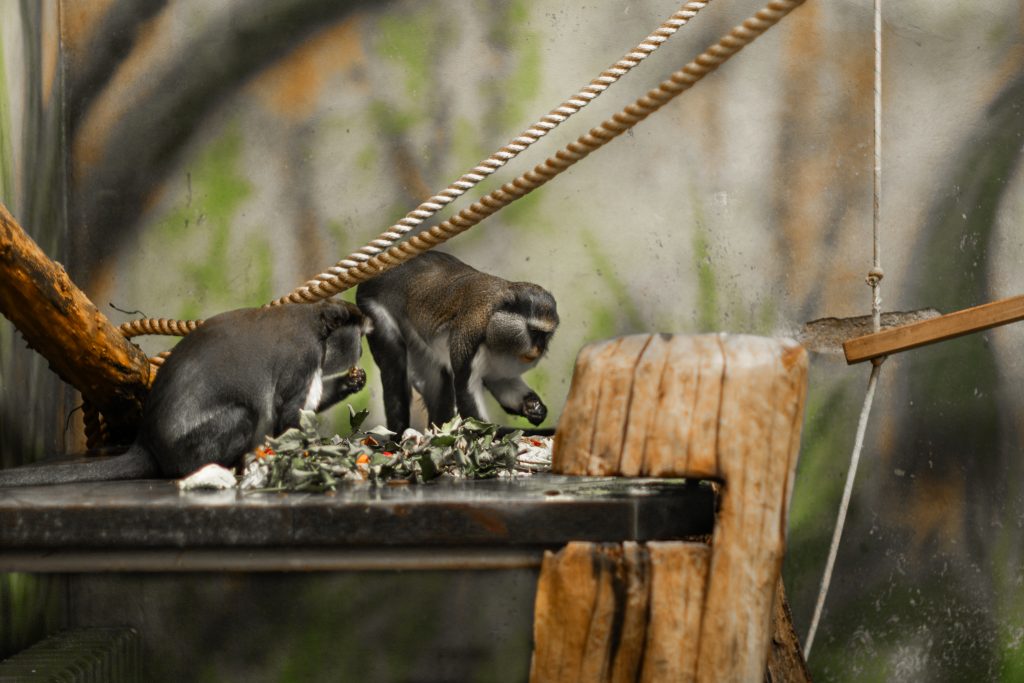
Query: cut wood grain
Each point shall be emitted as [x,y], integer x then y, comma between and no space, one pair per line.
[938,329]
[62,324]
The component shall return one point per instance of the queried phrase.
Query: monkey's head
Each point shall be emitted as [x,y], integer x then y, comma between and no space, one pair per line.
[523,323]
[343,326]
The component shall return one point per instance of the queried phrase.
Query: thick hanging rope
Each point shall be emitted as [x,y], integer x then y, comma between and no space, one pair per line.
[874,280]
[467,181]
[510,151]
[679,82]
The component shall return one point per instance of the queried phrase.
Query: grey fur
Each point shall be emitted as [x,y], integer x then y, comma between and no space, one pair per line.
[241,376]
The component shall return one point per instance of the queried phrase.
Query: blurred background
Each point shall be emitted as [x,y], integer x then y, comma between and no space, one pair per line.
[182,158]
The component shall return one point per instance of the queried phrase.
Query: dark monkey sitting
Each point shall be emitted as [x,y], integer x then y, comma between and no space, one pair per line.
[449,330]
[241,376]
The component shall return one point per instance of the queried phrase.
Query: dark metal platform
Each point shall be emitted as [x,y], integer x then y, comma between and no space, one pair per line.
[151,526]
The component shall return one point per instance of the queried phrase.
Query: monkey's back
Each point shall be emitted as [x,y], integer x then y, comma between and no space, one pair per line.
[435,290]
[217,391]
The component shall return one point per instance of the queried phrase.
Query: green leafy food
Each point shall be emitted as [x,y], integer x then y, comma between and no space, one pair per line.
[302,460]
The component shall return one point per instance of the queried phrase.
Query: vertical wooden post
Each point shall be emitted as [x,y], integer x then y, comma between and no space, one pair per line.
[718,406]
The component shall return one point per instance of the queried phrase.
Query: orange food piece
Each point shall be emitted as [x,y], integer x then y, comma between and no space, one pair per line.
[363,459]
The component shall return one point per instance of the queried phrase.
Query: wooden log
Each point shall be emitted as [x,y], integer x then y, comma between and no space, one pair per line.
[59,322]
[636,613]
[729,407]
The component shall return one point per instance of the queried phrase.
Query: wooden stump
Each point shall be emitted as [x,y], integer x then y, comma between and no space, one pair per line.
[712,406]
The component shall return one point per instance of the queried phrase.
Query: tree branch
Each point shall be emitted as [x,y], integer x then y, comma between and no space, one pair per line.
[60,323]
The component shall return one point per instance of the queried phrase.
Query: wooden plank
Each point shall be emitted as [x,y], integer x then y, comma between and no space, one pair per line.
[643,404]
[628,653]
[703,447]
[761,392]
[617,375]
[609,578]
[934,330]
[679,574]
[566,593]
[668,439]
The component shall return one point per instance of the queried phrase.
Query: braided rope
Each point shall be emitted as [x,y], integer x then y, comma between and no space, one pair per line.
[159,326]
[309,291]
[680,81]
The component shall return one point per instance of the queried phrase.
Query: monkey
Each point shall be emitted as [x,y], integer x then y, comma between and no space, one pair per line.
[448,330]
[239,377]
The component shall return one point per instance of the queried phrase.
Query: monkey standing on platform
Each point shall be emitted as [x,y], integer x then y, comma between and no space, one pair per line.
[448,330]
[241,376]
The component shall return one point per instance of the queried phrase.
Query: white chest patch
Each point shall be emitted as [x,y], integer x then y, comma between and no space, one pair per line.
[316,389]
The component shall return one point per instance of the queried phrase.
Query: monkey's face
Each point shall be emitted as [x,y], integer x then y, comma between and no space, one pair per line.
[523,327]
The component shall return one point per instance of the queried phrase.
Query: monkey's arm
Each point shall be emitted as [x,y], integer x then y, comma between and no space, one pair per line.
[517,398]
[463,349]
[337,387]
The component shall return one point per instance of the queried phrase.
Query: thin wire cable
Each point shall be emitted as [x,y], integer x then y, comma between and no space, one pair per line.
[844,505]
[510,151]
[874,280]
[876,273]
[679,82]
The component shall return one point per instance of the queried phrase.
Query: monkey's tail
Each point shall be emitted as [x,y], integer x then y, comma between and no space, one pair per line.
[134,464]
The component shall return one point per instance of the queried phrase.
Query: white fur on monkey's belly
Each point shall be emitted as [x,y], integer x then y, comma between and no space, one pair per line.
[315,391]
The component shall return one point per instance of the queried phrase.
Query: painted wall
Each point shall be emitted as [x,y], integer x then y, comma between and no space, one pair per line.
[218,154]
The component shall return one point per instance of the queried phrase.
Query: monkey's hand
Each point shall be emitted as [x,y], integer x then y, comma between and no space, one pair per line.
[355,379]
[533,409]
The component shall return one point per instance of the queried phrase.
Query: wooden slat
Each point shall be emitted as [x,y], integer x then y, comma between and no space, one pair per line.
[609,579]
[679,578]
[628,654]
[702,459]
[566,593]
[617,375]
[643,404]
[934,330]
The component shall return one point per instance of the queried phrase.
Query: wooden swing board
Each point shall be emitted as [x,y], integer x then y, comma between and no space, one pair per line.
[938,329]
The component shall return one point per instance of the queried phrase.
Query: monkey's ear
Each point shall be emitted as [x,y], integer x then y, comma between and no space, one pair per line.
[339,313]
[358,318]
